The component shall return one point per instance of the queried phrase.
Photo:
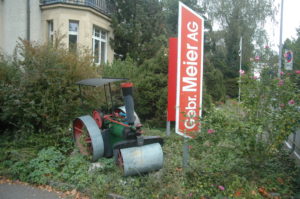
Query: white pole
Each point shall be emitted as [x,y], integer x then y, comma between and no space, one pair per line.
[240,79]
[280,41]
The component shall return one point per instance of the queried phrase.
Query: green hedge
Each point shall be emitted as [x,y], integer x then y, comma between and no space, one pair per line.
[38,91]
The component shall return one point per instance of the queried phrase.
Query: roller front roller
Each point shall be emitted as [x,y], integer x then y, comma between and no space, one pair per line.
[140,159]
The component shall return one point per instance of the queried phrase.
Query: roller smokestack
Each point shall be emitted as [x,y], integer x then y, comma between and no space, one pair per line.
[129,104]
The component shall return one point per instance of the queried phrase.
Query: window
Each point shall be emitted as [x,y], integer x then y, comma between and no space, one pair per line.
[73,35]
[99,45]
[50,31]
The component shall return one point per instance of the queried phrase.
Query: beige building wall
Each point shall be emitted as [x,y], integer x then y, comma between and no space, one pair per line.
[87,18]
[14,23]
[35,21]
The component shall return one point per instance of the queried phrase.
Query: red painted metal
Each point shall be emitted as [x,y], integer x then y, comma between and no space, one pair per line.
[97,117]
[108,117]
[127,85]
[78,132]
[172,75]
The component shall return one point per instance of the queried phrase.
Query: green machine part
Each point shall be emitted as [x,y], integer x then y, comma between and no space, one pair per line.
[116,133]
[119,132]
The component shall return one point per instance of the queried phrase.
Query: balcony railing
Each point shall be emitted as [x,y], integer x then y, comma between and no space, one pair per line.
[99,5]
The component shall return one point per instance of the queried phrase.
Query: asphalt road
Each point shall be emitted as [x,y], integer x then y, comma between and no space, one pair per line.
[19,191]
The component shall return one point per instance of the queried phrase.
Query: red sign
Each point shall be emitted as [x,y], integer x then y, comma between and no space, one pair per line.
[189,71]
[172,74]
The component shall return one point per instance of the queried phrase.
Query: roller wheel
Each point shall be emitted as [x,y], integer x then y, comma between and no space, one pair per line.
[140,159]
[88,138]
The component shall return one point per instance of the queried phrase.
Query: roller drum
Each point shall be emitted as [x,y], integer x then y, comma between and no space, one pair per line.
[137,160]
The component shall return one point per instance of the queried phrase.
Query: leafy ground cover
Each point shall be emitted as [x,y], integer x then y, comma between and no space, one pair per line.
[218,171]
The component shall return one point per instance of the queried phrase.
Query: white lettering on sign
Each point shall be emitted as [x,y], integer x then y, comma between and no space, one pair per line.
[192,74]
[190,123]
[193,29]
[191,81]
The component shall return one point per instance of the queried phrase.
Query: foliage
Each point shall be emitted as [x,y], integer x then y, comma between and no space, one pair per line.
[242,143]
[272,105]
[214,164]
[214,82]
[38,170]
[75,172]
[171,14]
[150,84]
[137,26]
[244,18]
[229,153]
[42,96]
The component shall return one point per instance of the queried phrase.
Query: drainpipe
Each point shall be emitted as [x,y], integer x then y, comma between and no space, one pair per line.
[28,20]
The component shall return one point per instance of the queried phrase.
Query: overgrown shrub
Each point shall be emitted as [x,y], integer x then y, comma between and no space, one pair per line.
[150,85]
[43,97]
[247,140]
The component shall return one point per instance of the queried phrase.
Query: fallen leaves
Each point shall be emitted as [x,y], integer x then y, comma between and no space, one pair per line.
[75,194]
[178,169]
[238,193]
[280,180]
[4,180]
[266,194]
[263,192]
[254,193]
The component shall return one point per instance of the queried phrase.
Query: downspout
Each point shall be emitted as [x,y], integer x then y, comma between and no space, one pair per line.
[28,20]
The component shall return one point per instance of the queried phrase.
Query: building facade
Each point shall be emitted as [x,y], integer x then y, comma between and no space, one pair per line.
[79,23]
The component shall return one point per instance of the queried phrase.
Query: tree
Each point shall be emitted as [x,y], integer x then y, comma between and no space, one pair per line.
[171,14]
[138,28]
[236,19]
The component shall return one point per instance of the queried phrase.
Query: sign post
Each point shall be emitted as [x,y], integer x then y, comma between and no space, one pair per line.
[189,75]
[189,71]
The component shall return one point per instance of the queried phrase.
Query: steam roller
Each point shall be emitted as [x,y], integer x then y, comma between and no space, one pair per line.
[118,134]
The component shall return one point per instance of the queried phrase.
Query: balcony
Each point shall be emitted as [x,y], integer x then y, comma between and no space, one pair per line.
[99,5]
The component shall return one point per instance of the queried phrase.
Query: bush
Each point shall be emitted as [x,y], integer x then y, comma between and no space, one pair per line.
[150,85]
[243,143]
[43,96]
